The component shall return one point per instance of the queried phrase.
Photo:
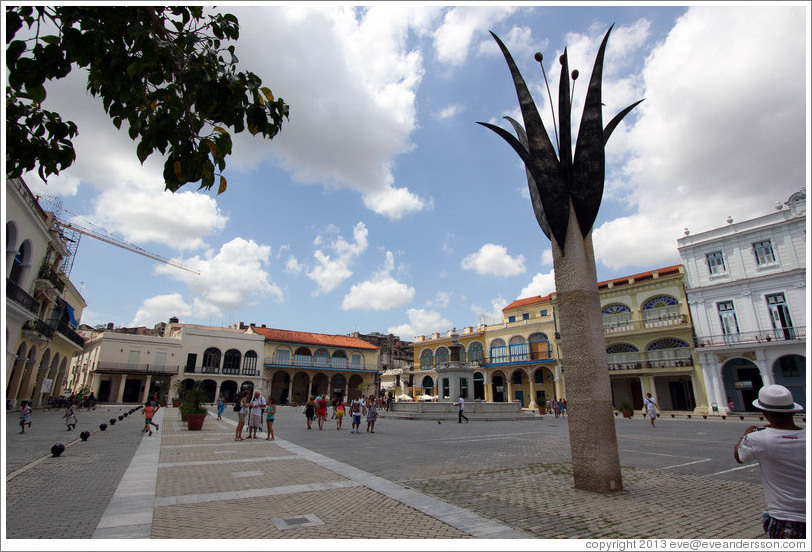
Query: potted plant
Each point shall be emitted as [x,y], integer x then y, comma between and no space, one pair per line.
[625,409]
[294,401]
[177,393]
[192,406]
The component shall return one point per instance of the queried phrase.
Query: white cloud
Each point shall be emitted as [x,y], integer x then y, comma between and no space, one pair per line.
[381,292]
[441,300]
[161,308]
[519,41]
[453,38]
[450,111]
[421,322]
[542,284]
[494,260]
[233,278]
[333,266]
[351,81]
[492,316]
[721,131]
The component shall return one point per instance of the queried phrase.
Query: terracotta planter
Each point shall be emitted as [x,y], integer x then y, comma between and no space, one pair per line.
[175,403]
[627,413]
[195,421]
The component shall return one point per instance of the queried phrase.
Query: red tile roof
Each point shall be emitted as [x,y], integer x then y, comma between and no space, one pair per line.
[309,338]
[528,301]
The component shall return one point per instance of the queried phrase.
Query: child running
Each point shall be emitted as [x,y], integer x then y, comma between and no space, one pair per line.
[149,412]
[70,416]
[25,416]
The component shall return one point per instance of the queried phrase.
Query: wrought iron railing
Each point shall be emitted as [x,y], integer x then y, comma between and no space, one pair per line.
[51,275]
[665,320]
[306,361]
[123,367]
[762,336]
[70,334]
[39,327]
[16,294]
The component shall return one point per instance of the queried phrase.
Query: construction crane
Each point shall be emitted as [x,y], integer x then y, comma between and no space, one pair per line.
[54,204]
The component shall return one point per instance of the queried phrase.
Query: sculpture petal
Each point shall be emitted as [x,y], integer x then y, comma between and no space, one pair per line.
[543,164]
[589,161]
[607,132]
[565,121]
[535,195]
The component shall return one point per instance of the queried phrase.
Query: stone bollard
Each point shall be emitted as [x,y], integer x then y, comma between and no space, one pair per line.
[102,426]
[57,449]
[84,435]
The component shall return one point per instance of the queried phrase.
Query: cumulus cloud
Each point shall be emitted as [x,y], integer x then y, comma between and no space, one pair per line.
[334,259]
[351,80]
[493,313]
[494,260]
[234,277]
[542,284]
[452,40]
[449,112]
[421,322]
[381,292]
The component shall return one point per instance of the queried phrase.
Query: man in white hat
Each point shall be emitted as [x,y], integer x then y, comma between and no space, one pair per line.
[780,448]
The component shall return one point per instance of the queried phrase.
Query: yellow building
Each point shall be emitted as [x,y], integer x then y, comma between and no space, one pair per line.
[649,345]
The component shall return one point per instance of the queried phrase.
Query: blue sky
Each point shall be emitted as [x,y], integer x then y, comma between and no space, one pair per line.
[383,206]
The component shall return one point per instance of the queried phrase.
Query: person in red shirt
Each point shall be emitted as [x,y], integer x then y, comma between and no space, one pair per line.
[149,412]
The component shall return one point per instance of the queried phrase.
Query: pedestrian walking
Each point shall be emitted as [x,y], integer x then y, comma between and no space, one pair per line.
[339,412]
[70,416]
[270,414]
[255,415]
[461,404]
[321,410]
[651,408]
[149,412]
[556,407]
[25,415]
[310,411]
[241,408]
[221,406]
[357,408]
[372,413]
[780,449]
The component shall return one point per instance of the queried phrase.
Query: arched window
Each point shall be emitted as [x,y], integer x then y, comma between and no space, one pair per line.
[211,361]
[476,353]
[302,357]
[426,359]
[623,356]
[339,359]
[321,358]
[661,310]
[231,362]
[518,349]
[538,376]
[669,351]
[617,317]
[442,355]
[428,385]
[539,346]
[517,377]
[660,302]
[249,365]
[499,352]
[21,263]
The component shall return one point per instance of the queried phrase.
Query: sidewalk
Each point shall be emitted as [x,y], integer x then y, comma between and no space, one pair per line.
[273,490]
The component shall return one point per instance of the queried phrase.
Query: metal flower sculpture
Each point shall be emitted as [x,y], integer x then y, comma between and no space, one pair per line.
[555,180]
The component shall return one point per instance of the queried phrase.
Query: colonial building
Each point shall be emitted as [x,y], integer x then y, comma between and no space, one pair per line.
[649,343]
[395,360]
[42,305]
[514,360]
[300,364]
[746,287]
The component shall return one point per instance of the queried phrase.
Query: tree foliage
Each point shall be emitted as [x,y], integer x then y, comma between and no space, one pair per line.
[167,73]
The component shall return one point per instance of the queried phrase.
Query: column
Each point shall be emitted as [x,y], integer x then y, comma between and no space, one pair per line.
[290,390]
[509,390]
[146,396]
[122,379]
[532,398]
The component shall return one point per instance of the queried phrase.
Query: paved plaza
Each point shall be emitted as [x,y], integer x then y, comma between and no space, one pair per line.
[410,479]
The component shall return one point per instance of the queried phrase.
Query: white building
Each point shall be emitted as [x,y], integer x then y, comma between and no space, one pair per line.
[43,307]
[746,288]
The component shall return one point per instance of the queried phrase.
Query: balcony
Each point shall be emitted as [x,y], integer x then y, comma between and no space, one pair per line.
[655,320]
[319,363]
[53,277]
[39,327]
[795,333]
[126,367]
[70,334]
[16,294]
[668,358]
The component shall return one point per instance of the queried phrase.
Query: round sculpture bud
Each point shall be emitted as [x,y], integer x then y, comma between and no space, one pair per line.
[538,57]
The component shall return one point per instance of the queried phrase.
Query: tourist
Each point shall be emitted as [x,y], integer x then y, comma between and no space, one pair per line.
[339,409]
[149,412]
[70,416]
[221,406]
[556,407]
[730,405]
[91,401]
[255,415]
[357,408]
[270,414]
[321,410]
[780,449]
[372,414]
[461,404]
[25,416]
[650,407]
[242,403]
[310,411]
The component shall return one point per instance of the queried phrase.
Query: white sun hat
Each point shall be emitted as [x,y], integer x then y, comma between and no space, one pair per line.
[776,398]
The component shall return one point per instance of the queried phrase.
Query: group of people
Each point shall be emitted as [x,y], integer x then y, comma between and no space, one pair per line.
[556,406]
[254,410]
[316,409]
[79,400]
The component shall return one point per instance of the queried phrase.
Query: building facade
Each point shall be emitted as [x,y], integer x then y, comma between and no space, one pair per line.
[43,307]
[746,287]
[298,365]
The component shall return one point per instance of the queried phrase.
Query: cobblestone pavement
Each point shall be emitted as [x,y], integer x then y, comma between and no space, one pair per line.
[410,479]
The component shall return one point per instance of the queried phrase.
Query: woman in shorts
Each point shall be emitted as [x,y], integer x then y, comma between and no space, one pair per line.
[241,415]
[270,414]
[310,411]
[339,412]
